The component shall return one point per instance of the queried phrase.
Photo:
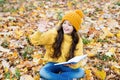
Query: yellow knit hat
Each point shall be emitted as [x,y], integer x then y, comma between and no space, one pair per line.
[75,18]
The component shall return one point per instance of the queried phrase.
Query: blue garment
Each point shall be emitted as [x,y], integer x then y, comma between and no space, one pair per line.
[60,72]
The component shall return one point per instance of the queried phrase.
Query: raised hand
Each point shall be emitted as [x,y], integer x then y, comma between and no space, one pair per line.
[42,25]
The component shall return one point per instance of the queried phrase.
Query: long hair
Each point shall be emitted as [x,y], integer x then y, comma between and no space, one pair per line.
[58,42]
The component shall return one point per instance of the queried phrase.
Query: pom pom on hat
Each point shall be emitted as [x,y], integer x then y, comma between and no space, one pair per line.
[80,13]
[75,18]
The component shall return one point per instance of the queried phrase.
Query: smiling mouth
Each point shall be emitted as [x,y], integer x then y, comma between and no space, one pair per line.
[66,29]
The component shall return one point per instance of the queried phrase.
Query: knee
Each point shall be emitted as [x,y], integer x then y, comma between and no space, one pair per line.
[81,73]
[42,72]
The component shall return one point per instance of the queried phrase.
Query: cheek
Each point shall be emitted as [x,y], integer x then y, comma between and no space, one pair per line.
[71,28]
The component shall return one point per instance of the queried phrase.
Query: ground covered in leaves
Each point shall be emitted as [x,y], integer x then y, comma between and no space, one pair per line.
[20,60]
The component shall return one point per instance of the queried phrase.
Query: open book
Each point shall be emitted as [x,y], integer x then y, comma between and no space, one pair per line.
[74,60]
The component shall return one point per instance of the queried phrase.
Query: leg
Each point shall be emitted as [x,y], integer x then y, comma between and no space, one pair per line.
[72,73]
[51,72]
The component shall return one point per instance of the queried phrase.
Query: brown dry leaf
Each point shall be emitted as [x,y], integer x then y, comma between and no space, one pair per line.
[25,64]
[37,68]
[4,49]
[20,65]
[110,76]
[19,24]
[26,77]
[5,64]
[28,63]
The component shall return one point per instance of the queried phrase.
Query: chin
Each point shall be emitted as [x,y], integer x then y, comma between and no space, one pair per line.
[66,33]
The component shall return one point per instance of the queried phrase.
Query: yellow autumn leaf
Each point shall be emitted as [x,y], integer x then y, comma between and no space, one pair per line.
[1,18]
[78,5]
[113,49]
[5,26]
[22,9]
[18,33]
[24,70]
[15,54]
[13,1]
[34,13]
[14,79]
[118,34]
[36,55]
[101,12]
[41,61]
[116,69]
[69,4]
[35,4]
[37,59]
[6,69]
[36,77]
[107,33]
[101,74]
[101,19]
[90,54]
[42,15]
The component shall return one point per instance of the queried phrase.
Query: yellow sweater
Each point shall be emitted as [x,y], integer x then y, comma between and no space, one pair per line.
[48,38]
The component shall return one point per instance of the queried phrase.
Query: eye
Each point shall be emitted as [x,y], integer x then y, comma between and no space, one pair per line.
[64,22]
[69,24]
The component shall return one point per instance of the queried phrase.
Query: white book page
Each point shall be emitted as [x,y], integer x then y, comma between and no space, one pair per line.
[77,58]
[73,60]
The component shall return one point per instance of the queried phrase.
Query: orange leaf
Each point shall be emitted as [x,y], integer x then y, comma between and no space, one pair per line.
[88,74]
[15,54]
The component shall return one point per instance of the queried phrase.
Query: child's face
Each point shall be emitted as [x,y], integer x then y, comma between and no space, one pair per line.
[67,27]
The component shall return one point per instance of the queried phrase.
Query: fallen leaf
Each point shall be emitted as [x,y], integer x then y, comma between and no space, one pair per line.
[118,34]
[5,64]
[36,77]
[88,74]
[107,32]
[26,77]
[100,74]
[18,33]
[4,49]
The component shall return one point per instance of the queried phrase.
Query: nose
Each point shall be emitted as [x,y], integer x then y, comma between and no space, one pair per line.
[65,25]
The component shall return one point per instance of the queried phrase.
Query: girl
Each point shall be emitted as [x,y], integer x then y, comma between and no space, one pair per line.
[61,45]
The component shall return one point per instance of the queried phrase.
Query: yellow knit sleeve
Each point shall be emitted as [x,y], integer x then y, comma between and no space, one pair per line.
[78,52]
[45,38]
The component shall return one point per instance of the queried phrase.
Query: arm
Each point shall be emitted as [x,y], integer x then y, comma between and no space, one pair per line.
[39,38]
[78,52]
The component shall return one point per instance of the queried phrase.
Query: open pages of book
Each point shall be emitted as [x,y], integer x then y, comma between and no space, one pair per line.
[74,60]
